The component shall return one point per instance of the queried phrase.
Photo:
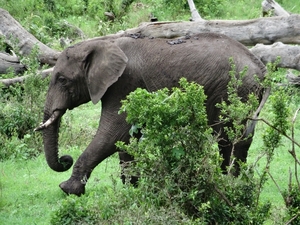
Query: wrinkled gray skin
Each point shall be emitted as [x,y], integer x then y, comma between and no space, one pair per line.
[108,70]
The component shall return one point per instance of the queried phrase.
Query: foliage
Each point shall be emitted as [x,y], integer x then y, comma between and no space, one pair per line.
[235,110]
[279,125]
[73,210]
[20,107]
[115,207]
[178,158]
[292,201]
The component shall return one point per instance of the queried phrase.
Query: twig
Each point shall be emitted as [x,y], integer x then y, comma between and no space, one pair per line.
[293,152]
[275,184]
[256,161]
[232,162]
[289,222]
[266,122]
[223,197]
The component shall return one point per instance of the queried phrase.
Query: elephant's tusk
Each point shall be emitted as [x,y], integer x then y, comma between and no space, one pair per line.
[53,117]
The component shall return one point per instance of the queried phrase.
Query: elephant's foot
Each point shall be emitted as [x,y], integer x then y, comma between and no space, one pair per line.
[73,186]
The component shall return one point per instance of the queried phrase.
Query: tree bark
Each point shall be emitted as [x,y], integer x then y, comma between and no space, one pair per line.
[15,34]
[249,32]
[10,62]
[195,15]
[293,79]
[289,55]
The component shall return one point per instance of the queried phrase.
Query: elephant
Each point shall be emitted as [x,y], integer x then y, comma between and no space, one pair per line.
[107,70]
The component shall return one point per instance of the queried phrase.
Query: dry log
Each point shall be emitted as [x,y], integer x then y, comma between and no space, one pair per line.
[289,55]
[10,62]
[15,34]
[293,79]
[272,8]
[266,30]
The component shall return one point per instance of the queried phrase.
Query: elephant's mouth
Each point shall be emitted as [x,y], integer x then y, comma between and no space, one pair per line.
[55,115]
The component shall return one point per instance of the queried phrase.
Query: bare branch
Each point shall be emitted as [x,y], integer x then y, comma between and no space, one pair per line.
[195,15]
[223,196]
[43,73]
[293,151]
[289,222]
[274,181]
[272,7]
[266,122]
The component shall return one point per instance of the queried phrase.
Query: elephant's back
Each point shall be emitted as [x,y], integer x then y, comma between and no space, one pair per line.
[204,58]
[206,47]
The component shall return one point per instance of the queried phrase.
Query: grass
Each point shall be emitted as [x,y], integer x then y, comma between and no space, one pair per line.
[279,169]
[30,192]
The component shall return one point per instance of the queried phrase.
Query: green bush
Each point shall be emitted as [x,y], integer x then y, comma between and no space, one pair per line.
[73,210]
[178,159]
[20,111]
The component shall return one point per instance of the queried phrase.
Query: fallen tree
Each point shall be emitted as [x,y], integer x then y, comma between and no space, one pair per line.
[10,62]
[17,37]
[249,32]
[289,55]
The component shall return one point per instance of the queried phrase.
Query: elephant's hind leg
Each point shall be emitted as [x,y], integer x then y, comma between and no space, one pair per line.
[126,162]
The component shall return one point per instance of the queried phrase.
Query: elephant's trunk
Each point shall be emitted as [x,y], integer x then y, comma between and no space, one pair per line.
[50,139]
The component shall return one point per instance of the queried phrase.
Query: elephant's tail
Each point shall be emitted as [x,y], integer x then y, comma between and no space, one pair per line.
[251,126]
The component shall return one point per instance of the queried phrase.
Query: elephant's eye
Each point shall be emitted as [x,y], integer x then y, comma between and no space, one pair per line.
[62,80]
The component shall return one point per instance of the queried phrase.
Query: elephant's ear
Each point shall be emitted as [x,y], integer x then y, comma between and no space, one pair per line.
[104,63]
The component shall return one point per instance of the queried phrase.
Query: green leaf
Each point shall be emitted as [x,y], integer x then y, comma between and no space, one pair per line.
[178,152]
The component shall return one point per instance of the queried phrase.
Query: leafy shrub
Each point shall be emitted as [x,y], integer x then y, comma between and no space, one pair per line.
[179,162]
[20,111]
[105,205]
[73,210]
[19,149]
[292,202]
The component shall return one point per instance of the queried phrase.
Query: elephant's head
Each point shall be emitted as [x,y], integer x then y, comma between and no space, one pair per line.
[81,74]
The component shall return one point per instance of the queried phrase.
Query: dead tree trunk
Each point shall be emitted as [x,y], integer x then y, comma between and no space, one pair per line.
[289,55]
[249,32]
[15,34]
[10,62]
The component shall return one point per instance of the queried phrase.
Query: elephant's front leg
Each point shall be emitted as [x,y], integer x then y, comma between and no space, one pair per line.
[87,161]
[101,147]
